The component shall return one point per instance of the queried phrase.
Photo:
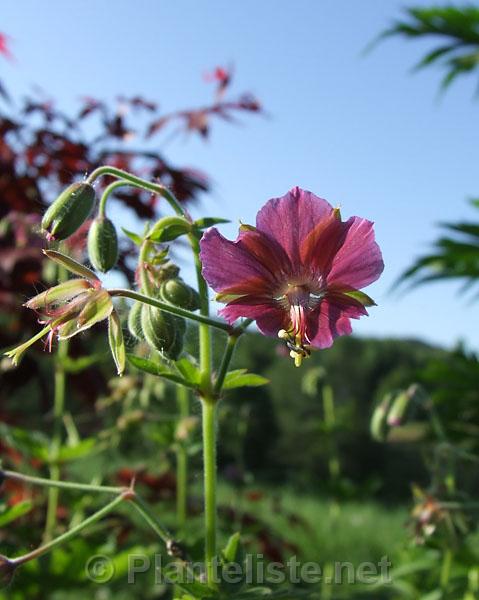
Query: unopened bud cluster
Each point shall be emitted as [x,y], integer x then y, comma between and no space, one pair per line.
[77,304]
[163,331]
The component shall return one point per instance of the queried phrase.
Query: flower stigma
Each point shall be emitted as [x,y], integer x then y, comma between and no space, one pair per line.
[298,300]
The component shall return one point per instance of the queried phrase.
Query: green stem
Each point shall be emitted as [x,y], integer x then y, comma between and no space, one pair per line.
[182,398]
[106,194]
[446,569]
[225,363]
[61,485]
[330,422]
[208,417]
[228,354]
[150,518]
[145,283]
[209,456]
[56,442]
[460,505]
[69,535]
[125,493]
[175,310]
[204,332]
[140,183]
[205,358]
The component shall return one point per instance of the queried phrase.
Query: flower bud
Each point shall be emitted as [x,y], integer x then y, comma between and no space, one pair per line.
[7,571]
[379,426]
[177,347]
[399,409]
[134,321]
[177,292]
[69,211]
[162,331]
[102,244]
[168,270]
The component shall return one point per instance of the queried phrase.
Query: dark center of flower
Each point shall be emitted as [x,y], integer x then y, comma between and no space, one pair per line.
[298,299]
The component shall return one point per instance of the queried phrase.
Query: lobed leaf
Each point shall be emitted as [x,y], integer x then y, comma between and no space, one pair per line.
[151,367]
[240,378]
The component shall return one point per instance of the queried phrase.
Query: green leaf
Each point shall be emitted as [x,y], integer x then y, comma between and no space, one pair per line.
[189,371]
[240,378]
[80,450]
[175,572]
[168,229]
[435,54]
[134,237]
[455,25]
[33,444]
[232,549]
[77,365]
[206,222]
[436,594]
[15,512]
[148,366]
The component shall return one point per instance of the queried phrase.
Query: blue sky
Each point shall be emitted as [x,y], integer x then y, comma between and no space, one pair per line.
[360,131]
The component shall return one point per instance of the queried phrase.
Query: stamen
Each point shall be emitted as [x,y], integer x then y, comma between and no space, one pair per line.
[295,342]
[298,299]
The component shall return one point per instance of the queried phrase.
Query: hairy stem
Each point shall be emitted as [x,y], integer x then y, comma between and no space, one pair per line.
[208,416]
[69,535]
[61,485]
[209,457]
[228,354]
[150,518]
[171,308]
[106,194]
[156,188]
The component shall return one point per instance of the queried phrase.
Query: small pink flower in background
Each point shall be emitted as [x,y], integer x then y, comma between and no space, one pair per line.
[4,49]
[222,77]
[298,273]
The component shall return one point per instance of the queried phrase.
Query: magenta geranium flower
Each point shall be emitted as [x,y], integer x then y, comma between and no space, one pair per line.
[298,273]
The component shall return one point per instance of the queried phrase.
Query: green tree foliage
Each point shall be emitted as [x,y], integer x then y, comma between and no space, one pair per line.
[297,444]
[456,28]
[453,258]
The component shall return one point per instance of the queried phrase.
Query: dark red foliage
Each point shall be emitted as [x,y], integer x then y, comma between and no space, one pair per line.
[43,149]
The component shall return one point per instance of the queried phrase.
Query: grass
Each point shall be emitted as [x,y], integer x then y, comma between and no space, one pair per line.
[325,530]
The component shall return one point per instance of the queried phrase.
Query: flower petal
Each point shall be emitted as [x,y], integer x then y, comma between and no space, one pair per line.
[290,219]
[359,261]
[230,267]
[332,319]
[322,244]
[269,317]
[266,250]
